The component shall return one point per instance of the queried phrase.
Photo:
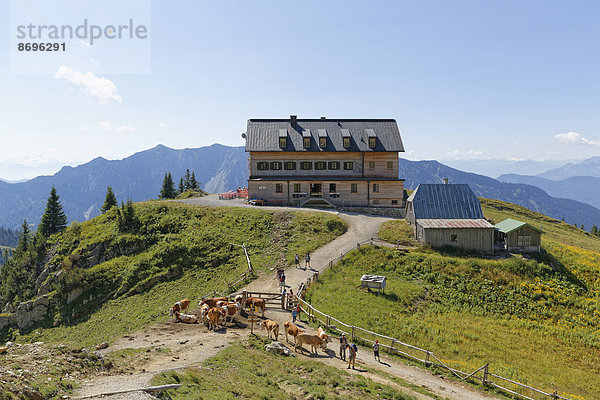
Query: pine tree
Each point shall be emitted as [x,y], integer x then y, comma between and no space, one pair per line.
[54,219]
[168,187]
[582,227]
[127,221]
[109,201]
[193,182]
[186,180]
[24,238]
[181,186]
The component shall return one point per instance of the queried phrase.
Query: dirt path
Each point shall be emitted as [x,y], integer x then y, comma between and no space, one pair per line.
[191,344]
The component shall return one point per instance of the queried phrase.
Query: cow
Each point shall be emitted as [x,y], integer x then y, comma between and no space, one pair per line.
[204,313]
[214,317]
[271,327]
[291,329]
[256,302]
[180,306]
[185,318]
[238,299]
[312,340]
[212,302]
[232,310]
[326,339]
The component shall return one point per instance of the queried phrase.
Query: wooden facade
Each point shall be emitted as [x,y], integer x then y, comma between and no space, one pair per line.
[517,236]
[473,239]
[347,163]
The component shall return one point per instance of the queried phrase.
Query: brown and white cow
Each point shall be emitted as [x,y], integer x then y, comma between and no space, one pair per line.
[185,318]
[232,310]
[214,318]
[212,302]
[256,302]
[326,339]
[180,306]
[292,330]
[238,299]
[271,327]
[312,340]
[204,313]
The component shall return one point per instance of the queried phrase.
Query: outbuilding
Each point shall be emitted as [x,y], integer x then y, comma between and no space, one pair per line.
[449,215]
[518,236]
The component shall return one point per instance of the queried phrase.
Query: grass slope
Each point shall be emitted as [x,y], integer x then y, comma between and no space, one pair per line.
[129,280]
[246,371]
[533,319]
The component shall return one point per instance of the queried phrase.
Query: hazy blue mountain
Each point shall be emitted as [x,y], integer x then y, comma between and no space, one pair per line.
[496,167]
[588,167]
[581,188]
[139,177]
[529,196]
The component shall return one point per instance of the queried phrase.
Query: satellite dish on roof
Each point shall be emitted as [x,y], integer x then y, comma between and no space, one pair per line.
[244,135]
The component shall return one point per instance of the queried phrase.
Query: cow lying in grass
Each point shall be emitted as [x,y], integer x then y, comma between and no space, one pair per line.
[256,302]
[292,330]
[185,318]
[325,337]
[312,340]
[180,306]
[271,327]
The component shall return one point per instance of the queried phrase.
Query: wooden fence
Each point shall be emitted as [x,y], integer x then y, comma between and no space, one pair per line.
[396,346]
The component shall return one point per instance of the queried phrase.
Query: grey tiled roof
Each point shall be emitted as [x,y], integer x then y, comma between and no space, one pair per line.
[263,134]
[439,201]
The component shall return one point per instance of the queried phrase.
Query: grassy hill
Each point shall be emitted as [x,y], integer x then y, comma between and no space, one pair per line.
[105,282]
[534,319]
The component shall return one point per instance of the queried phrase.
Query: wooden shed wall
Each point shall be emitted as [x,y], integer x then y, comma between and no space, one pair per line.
[524,239]
[477,239]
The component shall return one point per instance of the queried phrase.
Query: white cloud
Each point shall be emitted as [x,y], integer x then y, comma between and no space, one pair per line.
[465,153]
[107,126]
[162,125]
[575,138]
[101,88]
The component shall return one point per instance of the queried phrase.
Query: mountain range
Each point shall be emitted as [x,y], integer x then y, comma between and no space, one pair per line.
[82,189]
[219,168]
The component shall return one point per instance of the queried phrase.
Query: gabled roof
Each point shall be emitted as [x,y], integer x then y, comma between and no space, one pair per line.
[445,201]
[509,225]
[263,134]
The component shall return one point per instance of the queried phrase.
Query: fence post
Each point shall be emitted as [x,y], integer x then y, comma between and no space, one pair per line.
[485,374]
[391,346]
[353,333]
[427,362]
[328,321]
[283,305]
[244,296]
[555,395]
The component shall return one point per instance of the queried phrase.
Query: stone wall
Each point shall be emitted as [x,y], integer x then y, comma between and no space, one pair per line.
[384,211]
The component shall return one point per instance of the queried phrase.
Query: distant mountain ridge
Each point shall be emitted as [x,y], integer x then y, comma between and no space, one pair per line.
[588,167]
[139,177]
[581,188]
[529,196]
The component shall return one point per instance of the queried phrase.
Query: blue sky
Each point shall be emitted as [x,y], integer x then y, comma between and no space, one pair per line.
[463,79]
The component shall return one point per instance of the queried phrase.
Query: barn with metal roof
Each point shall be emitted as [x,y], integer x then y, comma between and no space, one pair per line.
[449,215]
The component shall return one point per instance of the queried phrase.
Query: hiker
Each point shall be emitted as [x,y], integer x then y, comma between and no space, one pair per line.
[352,349]
[284,293]
[307,259]
[279,273]
[343,344]
[282,280]
[294,315]
[376,350]
[290,299]
[297,260]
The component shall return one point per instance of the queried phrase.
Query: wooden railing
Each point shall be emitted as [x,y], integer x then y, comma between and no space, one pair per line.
[398,347]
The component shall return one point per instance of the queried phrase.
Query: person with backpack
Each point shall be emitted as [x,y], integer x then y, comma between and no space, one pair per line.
[282,281]
[307,259]
[352,349]
[376,350]
[297,260]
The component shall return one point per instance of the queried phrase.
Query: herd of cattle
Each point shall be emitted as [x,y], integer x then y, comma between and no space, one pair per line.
[214,313]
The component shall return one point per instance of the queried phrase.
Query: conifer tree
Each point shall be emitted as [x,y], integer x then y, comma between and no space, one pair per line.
[186,180]
[54,219]
[109,201]
[193,182]
[23,244]
[181,186]
[168,187]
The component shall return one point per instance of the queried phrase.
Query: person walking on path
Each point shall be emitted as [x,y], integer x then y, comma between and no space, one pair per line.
[282,280]
[294,314]
[376,350]
[307,259]
[343,344]
[352,349]
[297,260]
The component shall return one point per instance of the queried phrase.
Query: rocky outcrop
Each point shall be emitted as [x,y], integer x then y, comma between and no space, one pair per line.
[7,320]
[32,312]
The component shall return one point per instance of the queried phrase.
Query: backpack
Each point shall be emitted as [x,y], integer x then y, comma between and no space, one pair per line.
[354,347]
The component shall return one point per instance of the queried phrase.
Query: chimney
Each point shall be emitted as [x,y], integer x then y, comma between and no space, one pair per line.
[445,181]
[323,117]
[293,119]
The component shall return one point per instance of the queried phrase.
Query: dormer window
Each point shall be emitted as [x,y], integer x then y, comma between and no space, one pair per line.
[322,138]
[346,138]
[283,138]
[306,138]
[372,138]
